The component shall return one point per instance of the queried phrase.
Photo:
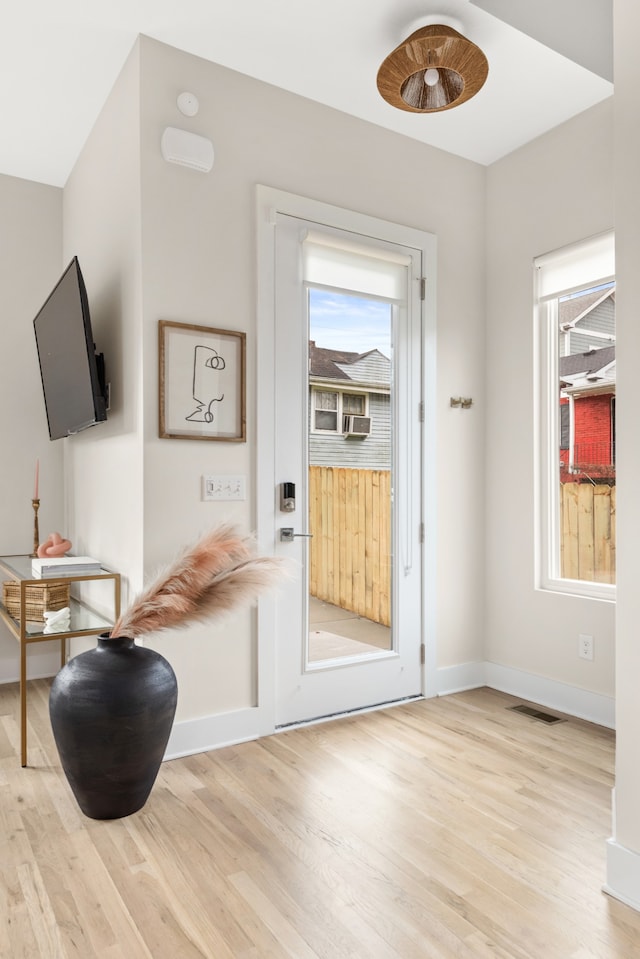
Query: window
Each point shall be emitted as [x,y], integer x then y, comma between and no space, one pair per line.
[353,403]
[325,410]
[330,407]
[564,425]
[575,315]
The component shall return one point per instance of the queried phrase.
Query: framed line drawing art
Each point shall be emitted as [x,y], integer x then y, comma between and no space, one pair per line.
[202,390]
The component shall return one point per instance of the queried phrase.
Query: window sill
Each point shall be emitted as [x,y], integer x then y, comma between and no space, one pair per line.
[581,589]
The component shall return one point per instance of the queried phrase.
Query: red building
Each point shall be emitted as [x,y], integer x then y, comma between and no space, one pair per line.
[587,416]
[587,385]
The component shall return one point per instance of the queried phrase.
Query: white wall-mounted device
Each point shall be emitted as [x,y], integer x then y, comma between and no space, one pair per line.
[187,149]
[188,104]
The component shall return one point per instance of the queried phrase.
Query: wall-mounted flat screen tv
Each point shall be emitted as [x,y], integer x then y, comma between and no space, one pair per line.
[73,378]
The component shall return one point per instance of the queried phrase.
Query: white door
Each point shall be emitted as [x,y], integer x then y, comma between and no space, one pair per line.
[347,459]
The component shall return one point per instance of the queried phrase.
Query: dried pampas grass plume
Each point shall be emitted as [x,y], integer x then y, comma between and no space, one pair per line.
[207,581]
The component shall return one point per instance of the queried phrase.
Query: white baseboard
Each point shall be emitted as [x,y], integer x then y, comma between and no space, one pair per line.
[455,679]
[594,707]
[571,700]
[623,874]
[224,729]
[212,732]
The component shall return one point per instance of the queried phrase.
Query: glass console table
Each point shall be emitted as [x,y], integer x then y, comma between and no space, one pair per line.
[84,620]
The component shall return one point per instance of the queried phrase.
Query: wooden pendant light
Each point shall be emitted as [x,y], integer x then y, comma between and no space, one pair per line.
[461,66]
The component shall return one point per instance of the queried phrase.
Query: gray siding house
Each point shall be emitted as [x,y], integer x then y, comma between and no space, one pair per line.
[587,322]
[349,409]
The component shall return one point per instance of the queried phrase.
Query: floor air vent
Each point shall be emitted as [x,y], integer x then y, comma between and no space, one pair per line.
[534,713]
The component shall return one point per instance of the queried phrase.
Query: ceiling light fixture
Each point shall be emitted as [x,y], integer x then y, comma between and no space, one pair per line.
[435,68]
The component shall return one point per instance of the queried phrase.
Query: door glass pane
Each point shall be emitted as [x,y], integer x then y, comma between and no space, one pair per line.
[350,476]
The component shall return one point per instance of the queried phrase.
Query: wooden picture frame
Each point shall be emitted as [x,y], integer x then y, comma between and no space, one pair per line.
[202,388]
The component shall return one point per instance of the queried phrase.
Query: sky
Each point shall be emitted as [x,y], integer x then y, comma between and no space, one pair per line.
[353,323]
[591,289]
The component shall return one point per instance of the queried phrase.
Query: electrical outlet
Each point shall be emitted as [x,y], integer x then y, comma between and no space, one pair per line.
[585,646]
[224,488]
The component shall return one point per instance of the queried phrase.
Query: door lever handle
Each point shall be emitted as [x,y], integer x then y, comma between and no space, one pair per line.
[287,535]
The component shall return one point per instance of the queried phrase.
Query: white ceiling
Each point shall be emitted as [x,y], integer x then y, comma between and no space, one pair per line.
[60,58]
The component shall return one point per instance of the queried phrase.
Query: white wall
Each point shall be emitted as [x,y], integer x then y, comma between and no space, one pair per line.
[104,464]
[623,867]
[199,267]
[555,190]
[30,266]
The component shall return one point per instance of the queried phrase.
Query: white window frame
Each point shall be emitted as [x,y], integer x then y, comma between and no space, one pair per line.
[547,418]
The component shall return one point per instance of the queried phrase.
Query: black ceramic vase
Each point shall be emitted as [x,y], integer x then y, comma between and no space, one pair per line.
[111,710]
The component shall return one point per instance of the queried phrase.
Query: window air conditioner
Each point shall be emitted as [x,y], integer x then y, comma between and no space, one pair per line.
[356,425]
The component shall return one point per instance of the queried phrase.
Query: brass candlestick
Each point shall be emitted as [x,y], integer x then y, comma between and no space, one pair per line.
[36,535]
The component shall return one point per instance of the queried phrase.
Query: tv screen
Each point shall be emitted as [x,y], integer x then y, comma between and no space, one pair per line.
[72,373]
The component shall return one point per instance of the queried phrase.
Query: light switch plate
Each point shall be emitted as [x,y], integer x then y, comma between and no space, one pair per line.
[216,487]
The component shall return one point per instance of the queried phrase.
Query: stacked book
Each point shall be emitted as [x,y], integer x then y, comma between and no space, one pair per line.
[64,566]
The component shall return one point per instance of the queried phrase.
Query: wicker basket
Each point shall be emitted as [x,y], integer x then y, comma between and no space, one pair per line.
[39,598]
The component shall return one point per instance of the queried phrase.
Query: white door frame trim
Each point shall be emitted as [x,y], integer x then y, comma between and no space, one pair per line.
[270,202]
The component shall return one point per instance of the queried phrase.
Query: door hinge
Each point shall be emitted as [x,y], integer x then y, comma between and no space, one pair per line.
[421,532]
[421,411]
[422,654]
[423,287]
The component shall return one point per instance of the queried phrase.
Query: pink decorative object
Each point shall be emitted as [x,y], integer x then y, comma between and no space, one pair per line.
[54,545]
[36,481]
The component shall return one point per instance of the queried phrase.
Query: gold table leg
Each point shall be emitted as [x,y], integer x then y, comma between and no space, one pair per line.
[23,703]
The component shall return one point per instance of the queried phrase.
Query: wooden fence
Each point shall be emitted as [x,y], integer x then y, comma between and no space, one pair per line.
[350,518]
[588,532]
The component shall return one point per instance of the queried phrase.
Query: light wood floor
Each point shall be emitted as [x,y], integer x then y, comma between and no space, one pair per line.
[442,829]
